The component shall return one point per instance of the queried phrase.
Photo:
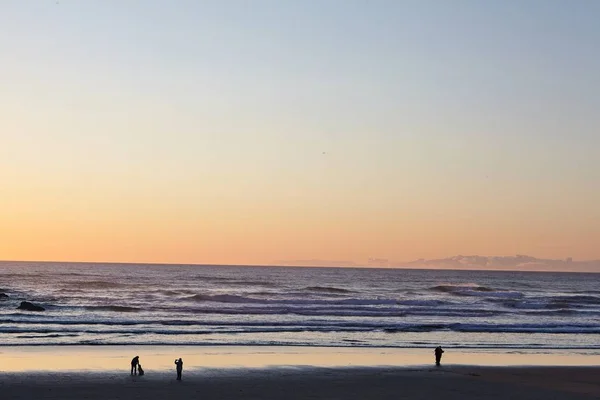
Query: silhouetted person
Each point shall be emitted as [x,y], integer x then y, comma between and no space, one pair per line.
[179,364]
[134,364]
[140,370]
[438,355]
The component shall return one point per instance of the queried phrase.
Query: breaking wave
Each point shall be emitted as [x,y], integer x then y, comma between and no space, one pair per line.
[223,298]
[190,327]
[461,287]
[475,290]
[113,308]
[83,284]
[226,298]
[327,289]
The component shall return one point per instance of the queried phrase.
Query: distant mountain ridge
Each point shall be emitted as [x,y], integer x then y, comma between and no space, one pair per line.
[518,262]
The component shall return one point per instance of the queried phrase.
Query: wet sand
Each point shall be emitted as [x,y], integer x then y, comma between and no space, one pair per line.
[461,382]
[160,358]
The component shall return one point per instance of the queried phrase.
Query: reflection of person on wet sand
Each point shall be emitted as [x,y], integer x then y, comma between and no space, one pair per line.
[134,364]
[438,355]
[179,364]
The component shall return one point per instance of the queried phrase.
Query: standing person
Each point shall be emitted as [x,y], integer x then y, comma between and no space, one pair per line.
[134,364]
[438,355]
[179,364]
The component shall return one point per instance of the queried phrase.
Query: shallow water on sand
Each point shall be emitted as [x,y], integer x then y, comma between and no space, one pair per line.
[208,358]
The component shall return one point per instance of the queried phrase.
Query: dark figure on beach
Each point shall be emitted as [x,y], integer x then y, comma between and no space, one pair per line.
[134,364]
[179,364]
[140,370]
[438,355]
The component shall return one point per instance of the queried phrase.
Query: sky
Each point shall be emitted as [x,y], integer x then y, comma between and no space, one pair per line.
[244,132]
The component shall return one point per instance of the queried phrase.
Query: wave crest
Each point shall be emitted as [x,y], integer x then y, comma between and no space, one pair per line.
[113,308]
[471,289]
[461,287]
[327,289]
[97,284]
[223,298]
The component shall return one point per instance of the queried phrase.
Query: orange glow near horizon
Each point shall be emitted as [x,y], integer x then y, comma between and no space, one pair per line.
[262,237]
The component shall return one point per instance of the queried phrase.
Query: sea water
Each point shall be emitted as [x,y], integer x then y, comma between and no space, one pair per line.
[119,304]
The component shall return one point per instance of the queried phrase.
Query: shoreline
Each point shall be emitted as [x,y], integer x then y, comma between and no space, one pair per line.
[401,266]
[459,348]
[158,358]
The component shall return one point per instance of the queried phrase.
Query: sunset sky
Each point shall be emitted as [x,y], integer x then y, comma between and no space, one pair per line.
[244,132]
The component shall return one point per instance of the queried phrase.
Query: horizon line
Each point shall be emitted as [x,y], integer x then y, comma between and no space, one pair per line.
[431,268]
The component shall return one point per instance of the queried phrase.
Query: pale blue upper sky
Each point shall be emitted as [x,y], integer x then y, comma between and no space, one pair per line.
[449,111]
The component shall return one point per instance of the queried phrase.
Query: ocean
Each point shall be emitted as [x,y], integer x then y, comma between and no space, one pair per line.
[135,304]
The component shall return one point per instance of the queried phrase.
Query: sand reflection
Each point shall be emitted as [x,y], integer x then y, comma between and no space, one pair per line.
[103,358]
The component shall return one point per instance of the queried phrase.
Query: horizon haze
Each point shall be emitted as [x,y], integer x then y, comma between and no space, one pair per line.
[516,263]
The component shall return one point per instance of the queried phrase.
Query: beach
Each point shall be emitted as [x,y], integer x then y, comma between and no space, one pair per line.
[102,372]
[296,333]
[315,383]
